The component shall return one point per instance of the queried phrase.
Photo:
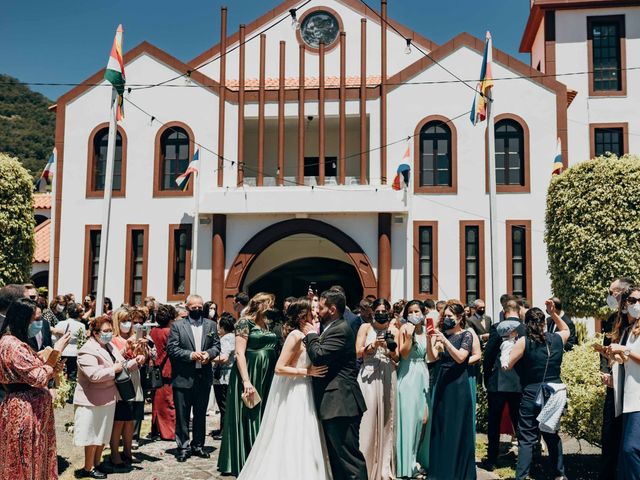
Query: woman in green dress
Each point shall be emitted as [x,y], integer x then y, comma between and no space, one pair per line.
[412,447]
[253,371]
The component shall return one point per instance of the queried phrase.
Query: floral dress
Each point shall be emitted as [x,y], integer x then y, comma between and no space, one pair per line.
[27,427]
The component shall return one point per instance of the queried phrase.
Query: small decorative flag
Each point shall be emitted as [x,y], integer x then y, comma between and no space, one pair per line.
[183,180]
[479,108]
[114,73]
[403,172]
[47,174]
[557,160]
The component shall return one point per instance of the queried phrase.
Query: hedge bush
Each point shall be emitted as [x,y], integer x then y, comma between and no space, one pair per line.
[593,231]
[16,221]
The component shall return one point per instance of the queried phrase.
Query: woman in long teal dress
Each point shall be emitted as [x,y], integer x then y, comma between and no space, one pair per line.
[253,371]
[452,448]
[412,447]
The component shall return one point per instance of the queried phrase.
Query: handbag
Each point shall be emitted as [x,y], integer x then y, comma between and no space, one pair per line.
[251,400]
[123,381]
[544,392]
[152,378]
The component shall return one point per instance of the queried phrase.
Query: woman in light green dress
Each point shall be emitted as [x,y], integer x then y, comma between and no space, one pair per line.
[253,371]
[412,445]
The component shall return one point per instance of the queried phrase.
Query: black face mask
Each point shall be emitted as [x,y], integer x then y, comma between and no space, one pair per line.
[195,314]
[480,311]
[449,323]
[381,317]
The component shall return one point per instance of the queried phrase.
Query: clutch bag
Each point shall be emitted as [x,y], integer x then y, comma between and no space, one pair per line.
[250,401]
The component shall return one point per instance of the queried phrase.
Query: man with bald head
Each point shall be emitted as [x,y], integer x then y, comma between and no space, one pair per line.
[193,343]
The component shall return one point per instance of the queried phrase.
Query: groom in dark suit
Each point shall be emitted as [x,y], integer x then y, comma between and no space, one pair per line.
[193,343]
[337,395]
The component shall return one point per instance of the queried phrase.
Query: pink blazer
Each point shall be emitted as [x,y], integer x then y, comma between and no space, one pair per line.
[96,377]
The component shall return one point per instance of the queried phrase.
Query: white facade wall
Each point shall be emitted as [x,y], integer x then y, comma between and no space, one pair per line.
[572,56]
[352,209]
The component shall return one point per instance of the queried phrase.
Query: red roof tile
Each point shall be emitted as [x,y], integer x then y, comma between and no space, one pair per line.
[42,238]
[309,82]
[42,200]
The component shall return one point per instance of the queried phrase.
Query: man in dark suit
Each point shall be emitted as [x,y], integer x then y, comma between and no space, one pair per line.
[480,322]
[551,326]
[193,343]
[337,395]
[502,386]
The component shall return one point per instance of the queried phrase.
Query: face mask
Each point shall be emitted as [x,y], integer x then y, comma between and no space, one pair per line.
[34,328]
[634,310]
[480,311]
[60,308]
[105,338]
[212,313]
[125,327]
[449,323]
[403,320]
[195,314]
[612,302]
[381,317]
[415,318]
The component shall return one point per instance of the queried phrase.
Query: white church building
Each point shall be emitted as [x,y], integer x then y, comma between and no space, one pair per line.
[300,130]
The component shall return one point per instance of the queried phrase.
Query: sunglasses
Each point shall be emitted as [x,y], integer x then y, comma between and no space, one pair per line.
[632,300]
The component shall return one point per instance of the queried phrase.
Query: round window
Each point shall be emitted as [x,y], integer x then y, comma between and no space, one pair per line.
[319,26]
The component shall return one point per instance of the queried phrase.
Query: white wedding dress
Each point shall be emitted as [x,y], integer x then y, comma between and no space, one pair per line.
[290,444]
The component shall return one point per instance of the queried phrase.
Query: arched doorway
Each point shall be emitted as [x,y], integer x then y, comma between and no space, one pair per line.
[294,279]
[346,251]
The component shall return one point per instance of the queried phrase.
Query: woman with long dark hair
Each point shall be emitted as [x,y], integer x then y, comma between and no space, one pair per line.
[377,346]
[541,352]
[27,426]
[624,352]
[452,448]
[163,413]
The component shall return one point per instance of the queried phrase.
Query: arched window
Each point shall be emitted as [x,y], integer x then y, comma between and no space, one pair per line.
[97,164]
[174,149]
[435,156]
[510,153]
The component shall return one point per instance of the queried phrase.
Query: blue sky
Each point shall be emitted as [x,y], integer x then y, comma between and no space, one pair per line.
[68,40]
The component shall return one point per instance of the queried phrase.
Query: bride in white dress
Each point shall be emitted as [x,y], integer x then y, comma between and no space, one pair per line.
[290,444]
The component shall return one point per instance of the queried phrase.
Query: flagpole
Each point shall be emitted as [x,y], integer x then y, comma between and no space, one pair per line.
[106,213]
[493,215]
[196,228]
[52,229]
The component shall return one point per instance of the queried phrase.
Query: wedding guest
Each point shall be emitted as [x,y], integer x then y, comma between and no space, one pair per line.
[27,426]
[193,343]
[541,354]
[223,364]
[163,413]
[452,448]
[412,448]
[210,310]
[57,311]
[127,411]
[76,329]
[95,396]
[376,345]
[253,372]
[398,308]
[625,352]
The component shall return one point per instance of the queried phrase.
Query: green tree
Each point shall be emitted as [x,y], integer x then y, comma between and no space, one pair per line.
[27,126]
[593,230]
[16,221]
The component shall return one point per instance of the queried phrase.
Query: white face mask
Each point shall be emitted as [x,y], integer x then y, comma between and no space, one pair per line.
[60,308]
[612,302]
[634,310]
[125,327]
[415,318]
